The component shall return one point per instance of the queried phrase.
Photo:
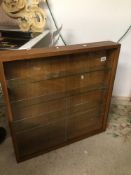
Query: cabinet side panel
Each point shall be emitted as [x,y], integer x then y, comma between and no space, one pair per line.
[114,56]
[8,106]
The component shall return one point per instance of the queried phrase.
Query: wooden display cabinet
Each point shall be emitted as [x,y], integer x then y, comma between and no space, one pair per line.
[55,96]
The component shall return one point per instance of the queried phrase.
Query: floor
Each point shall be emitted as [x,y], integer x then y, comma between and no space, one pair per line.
[108,153]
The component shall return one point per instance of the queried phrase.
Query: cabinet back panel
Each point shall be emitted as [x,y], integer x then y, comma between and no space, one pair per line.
[84,123]
[77,102]
[41,138]
[58,86]
[31,70]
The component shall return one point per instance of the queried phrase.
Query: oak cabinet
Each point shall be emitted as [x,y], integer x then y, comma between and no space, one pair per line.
[56,96]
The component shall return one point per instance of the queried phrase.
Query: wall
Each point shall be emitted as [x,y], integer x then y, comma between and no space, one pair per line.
[96,20]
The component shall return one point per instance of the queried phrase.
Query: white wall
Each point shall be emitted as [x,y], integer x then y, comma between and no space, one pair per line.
[97,20]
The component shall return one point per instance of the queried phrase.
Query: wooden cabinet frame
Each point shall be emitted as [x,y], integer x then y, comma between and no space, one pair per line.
[65,79]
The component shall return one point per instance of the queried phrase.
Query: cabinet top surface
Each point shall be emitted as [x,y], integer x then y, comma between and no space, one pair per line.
[12,55]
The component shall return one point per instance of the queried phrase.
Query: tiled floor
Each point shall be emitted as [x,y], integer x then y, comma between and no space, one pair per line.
[119,124]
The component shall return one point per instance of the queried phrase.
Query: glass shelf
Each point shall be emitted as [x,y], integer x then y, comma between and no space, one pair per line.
[27,125]
[16,82]
[46,98]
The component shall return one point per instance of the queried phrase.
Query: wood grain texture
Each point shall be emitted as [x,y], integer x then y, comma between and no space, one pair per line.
[56,51]
[57,95]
